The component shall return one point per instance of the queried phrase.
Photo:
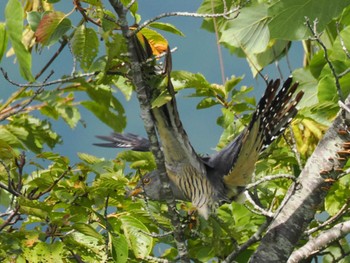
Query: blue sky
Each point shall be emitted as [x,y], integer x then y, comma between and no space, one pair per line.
[197,52]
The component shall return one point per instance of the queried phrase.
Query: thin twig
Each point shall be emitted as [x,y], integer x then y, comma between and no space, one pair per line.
[258,210]
[130,4]
[270,178]
[221,61]
[313,30]
[342,42]
[158,260]
[155,235]
[24,105]
[189,14]
[9,220]
[293,146]
[253,239]
[34,197]
[341,212]
[50,83]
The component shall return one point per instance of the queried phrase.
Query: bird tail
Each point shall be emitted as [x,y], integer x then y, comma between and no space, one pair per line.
[127,140]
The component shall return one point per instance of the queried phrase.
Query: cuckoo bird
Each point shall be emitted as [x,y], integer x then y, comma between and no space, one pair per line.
[205,181]
[222,176]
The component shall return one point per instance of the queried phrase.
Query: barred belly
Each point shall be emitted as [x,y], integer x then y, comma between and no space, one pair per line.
[197,188]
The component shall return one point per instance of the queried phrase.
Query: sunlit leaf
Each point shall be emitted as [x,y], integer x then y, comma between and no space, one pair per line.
[157,42]
[140,243]
[52,27]
[85,46]
[87,230]
[166,27]
[288,16]
[3,39]
[119,248]
[14,24]
[249,31]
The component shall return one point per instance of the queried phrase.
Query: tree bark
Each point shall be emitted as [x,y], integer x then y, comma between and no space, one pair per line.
[321,169]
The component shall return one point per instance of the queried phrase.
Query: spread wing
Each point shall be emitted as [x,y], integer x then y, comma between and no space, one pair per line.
[275,110]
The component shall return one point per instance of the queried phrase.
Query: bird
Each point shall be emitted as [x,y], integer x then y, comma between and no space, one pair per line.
[211,180]
[219,178]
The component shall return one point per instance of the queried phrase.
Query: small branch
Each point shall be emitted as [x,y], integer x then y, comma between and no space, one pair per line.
[258,210]
[82,11]
[9,187]
[253,239]
[11,219]
[341,212]
[106,223]
[130,4]
[196,15]
[155,235]
[323,240]
[32,195]
[141,88]
[342,42]
[50,83]
[158,260]
[313,30]
[270,178]
[293,146]
[24,105]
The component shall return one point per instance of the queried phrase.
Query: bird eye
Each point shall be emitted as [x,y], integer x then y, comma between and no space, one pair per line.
[146,180]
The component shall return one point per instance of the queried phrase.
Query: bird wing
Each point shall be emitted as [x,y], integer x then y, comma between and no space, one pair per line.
[175,143]
[236,162]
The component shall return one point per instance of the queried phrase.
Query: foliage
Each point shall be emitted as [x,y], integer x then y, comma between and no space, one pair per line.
[54,210]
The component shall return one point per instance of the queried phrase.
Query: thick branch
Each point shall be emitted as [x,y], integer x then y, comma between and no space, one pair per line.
[320,242]
[290,223]
[142,87]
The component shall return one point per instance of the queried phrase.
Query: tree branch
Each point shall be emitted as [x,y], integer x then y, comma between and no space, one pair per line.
[142,87]
[147,22]
[311,189]
[320,242]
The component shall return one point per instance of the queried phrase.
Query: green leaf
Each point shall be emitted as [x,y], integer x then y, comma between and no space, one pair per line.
[140,243]
[206,103]
[124,86]
[157,42]
[3,39]
[138,160]
[308,84]
[231,83]
[185,79]
[288,16]
[119,248]
[14,24]
[162,99]
[34,208]
[326,89]
[85,46]
[43,252]
[87,230]
[106,107]
[52,27]
[275,50]
[249,31]
[167,27]
[34,19]
[91,159]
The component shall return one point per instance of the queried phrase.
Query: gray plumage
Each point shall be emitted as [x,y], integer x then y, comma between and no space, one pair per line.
[220,177]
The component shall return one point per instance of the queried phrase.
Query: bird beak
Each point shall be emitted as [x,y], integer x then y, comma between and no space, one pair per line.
[135,192]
